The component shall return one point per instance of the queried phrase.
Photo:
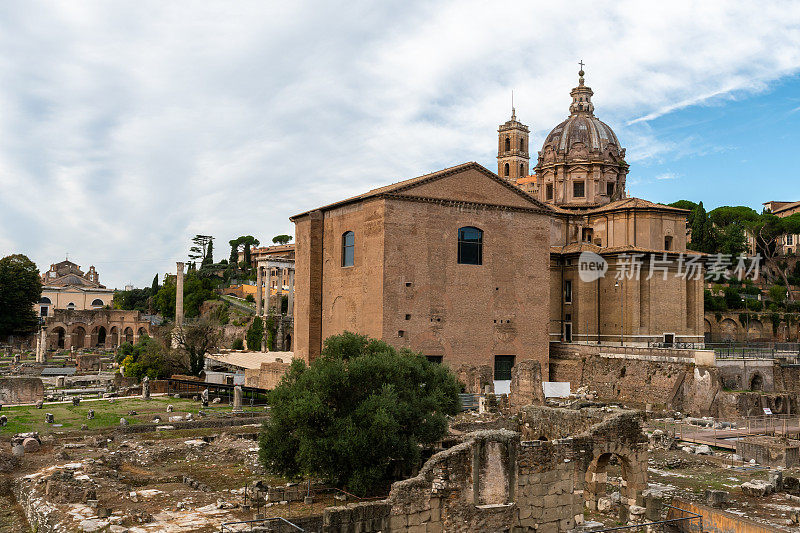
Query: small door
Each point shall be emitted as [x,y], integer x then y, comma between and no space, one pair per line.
[669,339]
[503,364]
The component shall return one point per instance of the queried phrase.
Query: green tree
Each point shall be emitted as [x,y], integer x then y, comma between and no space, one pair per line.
[165,299]
[767,229]
[777,294]
[146,358]
[234,258]
[154,286]
[255,335]
[726,215]
[20,290]
[199,248]
[195,340]
[731,240]
[208,258]
[703,232]
[281,239]
[685,204]
[359,416]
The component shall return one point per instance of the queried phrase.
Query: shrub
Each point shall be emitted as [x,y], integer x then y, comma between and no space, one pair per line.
[359,416]
[238,344]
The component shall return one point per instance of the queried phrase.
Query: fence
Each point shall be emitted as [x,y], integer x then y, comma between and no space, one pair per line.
[250,395]
[756,350]
[725,433]
[688,521]
[276,524]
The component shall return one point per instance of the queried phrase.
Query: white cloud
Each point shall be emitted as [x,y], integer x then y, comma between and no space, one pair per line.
[127,127]
[667,176]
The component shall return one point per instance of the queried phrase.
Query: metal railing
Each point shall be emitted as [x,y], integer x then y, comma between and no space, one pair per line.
[677,345]
[755,350]
[250,395]
[275,524]
[693,517]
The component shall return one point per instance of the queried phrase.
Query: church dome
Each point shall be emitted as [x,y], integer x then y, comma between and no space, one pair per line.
[581,163]
[582,133]
[586,130]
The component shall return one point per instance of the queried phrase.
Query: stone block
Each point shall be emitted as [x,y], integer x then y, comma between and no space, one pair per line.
[433,527]
[398,522]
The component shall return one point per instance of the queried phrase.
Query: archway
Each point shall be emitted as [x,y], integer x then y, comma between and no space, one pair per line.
[707,332]
[757,382]
[78,337]
[629,477]
[61,336]
[141,332]
[288,344]
[755,330]
[128,333]
[101,337]
[114,334]
[729,330]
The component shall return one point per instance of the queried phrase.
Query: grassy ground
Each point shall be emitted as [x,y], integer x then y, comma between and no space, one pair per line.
[106,414]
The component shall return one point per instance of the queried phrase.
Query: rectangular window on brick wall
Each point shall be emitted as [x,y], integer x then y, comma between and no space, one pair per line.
[549,191]
[579,189]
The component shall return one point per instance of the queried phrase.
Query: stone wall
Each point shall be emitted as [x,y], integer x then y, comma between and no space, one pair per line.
[526,384]
[768,451]
[88,362]
[21,390]
[495,481]
[268,376]
[475,378]
[663,378]
[548,423]
[747,374]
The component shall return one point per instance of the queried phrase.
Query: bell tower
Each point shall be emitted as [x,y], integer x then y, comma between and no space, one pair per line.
[513,159]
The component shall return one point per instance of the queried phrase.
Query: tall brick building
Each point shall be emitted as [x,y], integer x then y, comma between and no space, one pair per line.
[453,264]
[469,267]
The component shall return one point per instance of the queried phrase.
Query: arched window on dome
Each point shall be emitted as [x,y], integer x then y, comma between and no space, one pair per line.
[507,170]
[508,144]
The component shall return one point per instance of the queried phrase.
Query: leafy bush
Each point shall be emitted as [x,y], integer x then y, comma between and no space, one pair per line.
[145,358]
[250,298]
[255,334]
[359,415]
[238,344]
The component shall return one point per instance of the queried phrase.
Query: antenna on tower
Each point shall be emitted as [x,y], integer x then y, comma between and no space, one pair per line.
[513,111]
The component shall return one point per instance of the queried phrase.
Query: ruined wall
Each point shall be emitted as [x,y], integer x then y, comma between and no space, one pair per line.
[663,378]
[21,390]
[475,378]
[526,384]
[548,423]
[87,362]
[768,451]
[747,374]
[268,376]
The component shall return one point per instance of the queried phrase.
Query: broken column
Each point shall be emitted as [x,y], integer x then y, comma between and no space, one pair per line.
[179,296]
[145,388]
[237,399]
[259,290]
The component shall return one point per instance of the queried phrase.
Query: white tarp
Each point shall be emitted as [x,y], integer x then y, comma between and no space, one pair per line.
[556,389]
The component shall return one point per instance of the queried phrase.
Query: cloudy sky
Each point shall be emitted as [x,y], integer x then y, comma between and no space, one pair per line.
[128,127]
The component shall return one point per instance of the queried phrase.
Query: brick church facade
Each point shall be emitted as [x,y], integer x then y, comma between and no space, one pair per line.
[471,267]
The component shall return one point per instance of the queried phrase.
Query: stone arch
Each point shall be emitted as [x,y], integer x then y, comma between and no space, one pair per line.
[114,335]
[61,337]
[634,476]
[78,337]
[97,303]
[755,330]
[707,331]
[756,382]
[102,335]
[729,330]
[128,334]
[140,332]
